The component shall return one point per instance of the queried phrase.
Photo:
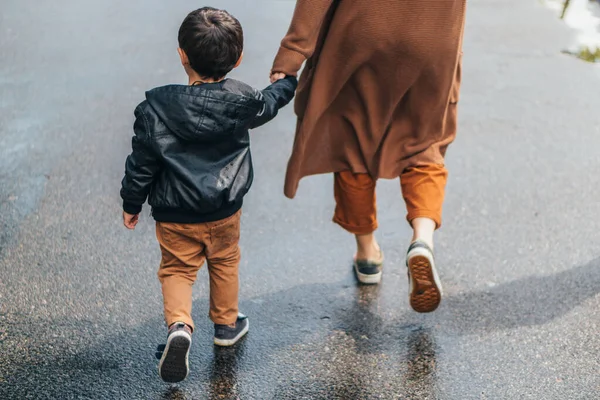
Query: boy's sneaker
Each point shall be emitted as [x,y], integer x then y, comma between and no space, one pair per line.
[369,272]
[226,335]
[425,288]
[173,366]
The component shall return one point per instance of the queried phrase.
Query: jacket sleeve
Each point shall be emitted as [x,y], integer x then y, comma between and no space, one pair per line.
[140,168]
[301,39]
[274,97]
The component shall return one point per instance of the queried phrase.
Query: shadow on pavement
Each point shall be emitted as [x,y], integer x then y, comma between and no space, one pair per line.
[119,362]
[535,300]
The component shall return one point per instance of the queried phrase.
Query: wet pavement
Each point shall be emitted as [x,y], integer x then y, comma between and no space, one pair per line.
[80,306]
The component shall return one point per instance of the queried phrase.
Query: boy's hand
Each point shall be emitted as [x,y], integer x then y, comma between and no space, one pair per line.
[275,76]
[130,220]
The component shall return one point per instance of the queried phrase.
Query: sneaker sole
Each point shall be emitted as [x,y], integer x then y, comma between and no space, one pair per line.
[173,366]
[231,342]
[421,268]
[367,279]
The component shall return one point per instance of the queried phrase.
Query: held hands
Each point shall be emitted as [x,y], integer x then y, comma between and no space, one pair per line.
[130,220]
[275,76]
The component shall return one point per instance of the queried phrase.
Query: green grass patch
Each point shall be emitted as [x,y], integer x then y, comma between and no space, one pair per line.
[586,54]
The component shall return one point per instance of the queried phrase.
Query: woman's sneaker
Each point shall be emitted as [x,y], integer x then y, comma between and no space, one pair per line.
[369,272]
[173,366]
[425,288]
[226,335]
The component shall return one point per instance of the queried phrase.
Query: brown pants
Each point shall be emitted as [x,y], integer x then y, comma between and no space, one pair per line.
[184,249]
[356,209]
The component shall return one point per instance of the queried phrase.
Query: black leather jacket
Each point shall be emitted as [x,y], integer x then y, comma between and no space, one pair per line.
[191,149]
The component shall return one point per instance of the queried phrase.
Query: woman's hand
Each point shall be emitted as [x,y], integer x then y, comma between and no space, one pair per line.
[275,76]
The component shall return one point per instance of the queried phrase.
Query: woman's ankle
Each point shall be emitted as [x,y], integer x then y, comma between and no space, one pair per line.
[423,229]
[367,247]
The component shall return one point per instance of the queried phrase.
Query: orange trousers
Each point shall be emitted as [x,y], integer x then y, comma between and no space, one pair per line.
[185,248]
[356,209]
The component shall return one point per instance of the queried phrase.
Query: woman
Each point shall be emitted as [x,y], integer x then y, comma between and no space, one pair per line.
[377,99]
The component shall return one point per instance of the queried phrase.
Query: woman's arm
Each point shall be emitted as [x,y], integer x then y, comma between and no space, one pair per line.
[301,39]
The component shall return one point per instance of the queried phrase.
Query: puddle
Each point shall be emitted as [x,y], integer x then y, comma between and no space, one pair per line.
[583,16]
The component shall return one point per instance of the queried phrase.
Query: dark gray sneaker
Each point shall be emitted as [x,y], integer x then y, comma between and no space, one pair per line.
[173,366]
[228,336]
[369,272]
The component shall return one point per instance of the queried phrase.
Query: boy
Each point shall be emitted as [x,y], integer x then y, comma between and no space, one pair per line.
[191,158]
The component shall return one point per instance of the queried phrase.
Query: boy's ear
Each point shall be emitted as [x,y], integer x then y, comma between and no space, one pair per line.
[239,61]
[184,58]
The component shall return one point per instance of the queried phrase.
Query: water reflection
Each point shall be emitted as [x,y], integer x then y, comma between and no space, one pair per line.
[362,320]
[421,363]
[174,393]
[375,336]
[223,371]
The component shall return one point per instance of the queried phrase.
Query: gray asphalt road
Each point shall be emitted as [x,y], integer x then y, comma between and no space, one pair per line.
[80,306]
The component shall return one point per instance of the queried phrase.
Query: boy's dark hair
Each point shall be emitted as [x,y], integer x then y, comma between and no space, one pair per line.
[213,41]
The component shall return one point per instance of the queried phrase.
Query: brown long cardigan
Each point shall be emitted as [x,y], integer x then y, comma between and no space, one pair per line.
[379,90]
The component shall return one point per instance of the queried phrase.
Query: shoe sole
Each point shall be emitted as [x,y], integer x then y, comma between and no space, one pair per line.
[367,279]
[425,292]
[173,366]
[231,342]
